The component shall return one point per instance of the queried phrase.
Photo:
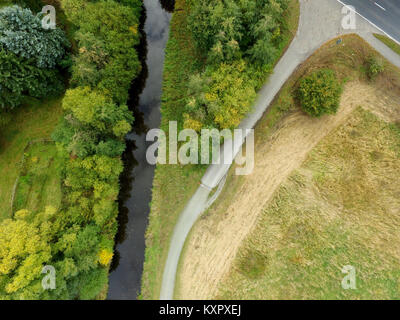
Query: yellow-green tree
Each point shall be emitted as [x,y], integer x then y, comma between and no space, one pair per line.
[220,97]
[24,250]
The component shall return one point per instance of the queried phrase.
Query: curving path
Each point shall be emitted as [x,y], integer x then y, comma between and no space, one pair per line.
[320,21]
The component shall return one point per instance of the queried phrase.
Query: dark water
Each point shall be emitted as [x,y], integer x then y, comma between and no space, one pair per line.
[137,179]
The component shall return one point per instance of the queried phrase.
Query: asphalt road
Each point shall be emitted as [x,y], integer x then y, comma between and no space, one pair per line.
[385,14]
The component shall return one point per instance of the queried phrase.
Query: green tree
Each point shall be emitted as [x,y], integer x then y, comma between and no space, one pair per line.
[19,78]
[25,247]
[229,30]
[93,123]
[22,33]
[220,98]
[108,34]
[92,58]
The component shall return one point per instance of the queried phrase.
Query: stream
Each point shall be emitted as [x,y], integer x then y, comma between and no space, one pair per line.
[137,178]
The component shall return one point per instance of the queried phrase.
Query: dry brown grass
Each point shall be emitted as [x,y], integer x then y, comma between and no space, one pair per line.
[340,208]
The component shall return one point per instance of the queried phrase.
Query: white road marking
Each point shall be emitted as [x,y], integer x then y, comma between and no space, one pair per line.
[380,6]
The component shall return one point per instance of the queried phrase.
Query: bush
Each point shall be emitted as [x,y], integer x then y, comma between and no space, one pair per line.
[319,93]
[375,67]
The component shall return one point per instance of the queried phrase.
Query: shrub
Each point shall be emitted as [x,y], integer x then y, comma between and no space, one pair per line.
[375,67]
[319,93]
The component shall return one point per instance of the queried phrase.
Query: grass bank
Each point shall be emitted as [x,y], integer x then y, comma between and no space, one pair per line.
[175,184]
[290,235]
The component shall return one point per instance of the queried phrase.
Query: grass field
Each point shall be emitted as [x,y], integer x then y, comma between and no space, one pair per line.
[174,185]
[35,120]
[340,208]
[389,42]
[39,184]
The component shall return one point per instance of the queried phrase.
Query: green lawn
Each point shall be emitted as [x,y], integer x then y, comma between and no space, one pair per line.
[389,42]
[39,184]
[32,121]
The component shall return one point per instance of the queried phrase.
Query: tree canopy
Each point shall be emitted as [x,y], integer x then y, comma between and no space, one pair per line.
[21,32]
[240,40]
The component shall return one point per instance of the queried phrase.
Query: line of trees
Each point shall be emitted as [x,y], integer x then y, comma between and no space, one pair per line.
[78,240]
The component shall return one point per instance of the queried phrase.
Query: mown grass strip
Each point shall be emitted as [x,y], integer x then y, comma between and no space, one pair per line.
[388,42]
